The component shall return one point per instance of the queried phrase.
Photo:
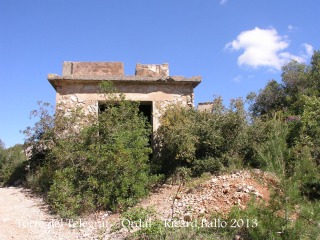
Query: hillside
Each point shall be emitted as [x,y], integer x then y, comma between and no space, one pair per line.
[25,216]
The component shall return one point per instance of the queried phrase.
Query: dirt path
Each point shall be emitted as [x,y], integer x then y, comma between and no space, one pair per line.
[26,217]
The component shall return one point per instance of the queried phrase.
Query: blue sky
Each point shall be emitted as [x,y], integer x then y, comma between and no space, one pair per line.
[235,45]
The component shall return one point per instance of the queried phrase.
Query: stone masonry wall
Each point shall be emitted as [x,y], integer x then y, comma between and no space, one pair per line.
[79,86]
[86,97]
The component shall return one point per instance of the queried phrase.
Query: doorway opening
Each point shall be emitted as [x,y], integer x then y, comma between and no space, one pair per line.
[146,109]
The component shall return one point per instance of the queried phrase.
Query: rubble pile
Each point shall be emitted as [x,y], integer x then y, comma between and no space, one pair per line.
[219,194]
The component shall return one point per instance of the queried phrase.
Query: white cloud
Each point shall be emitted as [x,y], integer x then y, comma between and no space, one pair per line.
[264,48]
[309,49]
[223,2]
[237,78]
[240,78]
[292,28]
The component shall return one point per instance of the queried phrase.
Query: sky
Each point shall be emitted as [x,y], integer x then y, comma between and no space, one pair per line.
[237,46]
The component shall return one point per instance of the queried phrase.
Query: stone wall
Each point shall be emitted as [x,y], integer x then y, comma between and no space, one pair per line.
[79,86]
[86,97]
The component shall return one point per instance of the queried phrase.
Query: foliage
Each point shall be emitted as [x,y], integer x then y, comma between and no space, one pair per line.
[289,214]
[12,164]
[298,79]
[201,141]
[101,165]
[157,230]
[104,164]
[2,145]
[271,98]
[137,215]
[300,88]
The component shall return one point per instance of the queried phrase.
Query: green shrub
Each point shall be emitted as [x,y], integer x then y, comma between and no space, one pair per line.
[211,165]
[289,214]
[12,164]
[63,195]
[101,165]
[202,141]
[137,214]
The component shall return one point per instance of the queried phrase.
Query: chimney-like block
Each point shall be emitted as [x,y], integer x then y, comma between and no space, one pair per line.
[152,70]
[205,107]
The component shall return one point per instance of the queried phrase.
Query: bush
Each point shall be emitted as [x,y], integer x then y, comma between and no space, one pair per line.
[12,164]
[211,165]
[289,214]
[103,165]
[202,141]
[64,196]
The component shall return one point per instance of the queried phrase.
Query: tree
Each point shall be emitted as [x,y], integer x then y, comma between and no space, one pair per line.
[2,145]
[12,164]
[315,71]
[295,80]
[298,79]
[270,99]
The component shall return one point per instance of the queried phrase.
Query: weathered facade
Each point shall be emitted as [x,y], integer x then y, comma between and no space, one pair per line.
[152,86]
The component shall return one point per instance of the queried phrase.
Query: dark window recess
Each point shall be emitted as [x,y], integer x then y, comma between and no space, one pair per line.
[144,107]
[104,106]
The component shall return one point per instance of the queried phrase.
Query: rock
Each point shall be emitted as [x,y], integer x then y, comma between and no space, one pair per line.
[191,190]
[213,180]
[74,98]
[256,171]
[18,182]
[226,185]
[251,188]
[238,195]
[237,237]
[187,218]
[202,211]
[226,190]
[257,194]
[178,196]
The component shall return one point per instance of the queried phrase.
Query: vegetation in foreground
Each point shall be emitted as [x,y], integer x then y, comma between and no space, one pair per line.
[12,164]
[106,165]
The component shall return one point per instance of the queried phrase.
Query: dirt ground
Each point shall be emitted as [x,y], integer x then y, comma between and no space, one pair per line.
[24,216]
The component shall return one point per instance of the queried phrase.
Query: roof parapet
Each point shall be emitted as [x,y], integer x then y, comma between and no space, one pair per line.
[93,68]
[152,70]
[84,72]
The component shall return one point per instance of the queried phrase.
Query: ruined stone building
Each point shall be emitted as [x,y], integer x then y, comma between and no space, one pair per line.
[152,86]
